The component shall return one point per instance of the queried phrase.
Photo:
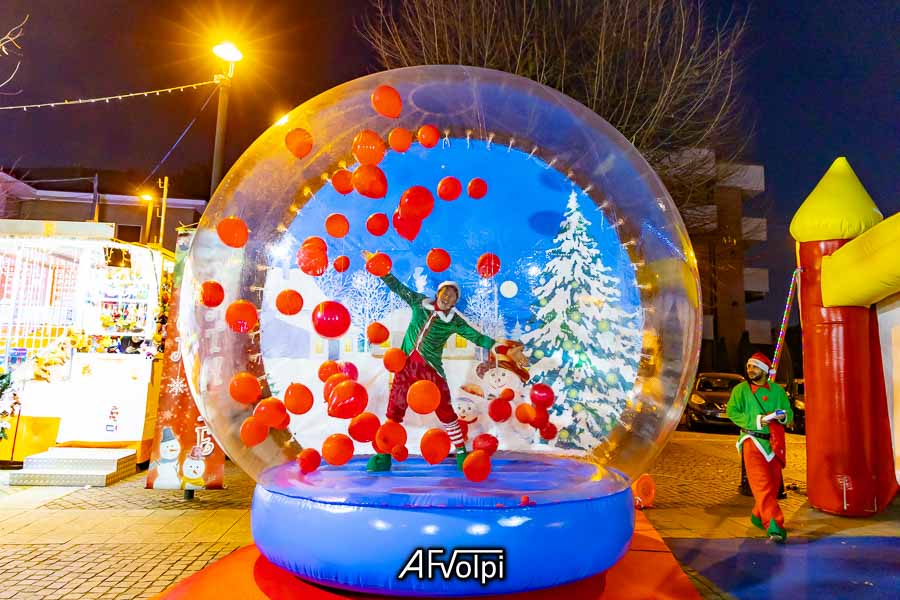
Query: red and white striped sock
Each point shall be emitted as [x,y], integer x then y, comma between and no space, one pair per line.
[456,436]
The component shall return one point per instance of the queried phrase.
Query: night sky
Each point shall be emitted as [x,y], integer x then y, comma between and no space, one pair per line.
[822,81]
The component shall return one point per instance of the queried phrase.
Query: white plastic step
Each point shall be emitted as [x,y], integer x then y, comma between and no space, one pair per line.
[63,478]
[75,467]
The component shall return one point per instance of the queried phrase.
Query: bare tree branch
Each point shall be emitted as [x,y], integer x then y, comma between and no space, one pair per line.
[9,46]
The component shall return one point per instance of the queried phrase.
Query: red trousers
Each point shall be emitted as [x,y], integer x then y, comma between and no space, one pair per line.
[765,480]
[416,369]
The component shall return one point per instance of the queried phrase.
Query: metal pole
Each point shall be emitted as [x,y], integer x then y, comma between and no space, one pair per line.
[145,234]
[96,200]
[221,122]
[164,184]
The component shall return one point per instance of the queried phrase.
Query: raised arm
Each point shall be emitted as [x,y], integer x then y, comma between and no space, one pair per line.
[473,335]
[406,294]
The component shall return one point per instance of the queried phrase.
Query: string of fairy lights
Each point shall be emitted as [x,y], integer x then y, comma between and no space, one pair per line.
[179,88]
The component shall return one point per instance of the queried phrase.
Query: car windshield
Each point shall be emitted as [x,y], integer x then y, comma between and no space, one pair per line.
[717,384]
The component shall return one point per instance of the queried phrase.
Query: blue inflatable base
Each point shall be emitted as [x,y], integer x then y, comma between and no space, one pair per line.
[423,530]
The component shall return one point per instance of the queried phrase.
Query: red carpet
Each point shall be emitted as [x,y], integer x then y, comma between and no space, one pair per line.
[648,570]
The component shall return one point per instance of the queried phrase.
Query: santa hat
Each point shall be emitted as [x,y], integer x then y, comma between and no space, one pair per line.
[761,361]
[452,284]
[168,436]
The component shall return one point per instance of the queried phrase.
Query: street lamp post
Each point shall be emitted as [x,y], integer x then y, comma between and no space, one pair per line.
[231,55]
[164,186]
[145,233]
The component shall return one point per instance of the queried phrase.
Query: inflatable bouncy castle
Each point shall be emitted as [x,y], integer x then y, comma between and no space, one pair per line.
[850,315]
[442,315]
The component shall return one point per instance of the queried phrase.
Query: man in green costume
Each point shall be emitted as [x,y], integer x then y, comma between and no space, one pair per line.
[761,409]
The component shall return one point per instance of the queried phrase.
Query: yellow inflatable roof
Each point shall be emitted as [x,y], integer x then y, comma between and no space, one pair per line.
[839,208]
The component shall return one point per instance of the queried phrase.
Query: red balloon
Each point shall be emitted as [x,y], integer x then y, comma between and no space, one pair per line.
[400,139]
[488,265]
[541,418]
[368,147]
[327,369]
[407,228]
[309,460]
[499,410]
[438,260]
[477,188]
[337,449]
[377,224]
[423,397]
[332,382]
[387,102]
[449,188]
[337,225]
[428,136]
[363,427]
[241,316]
[270,411]
[289,302]
[299,142]
[549,431]
[315,244]
[233,232]
[211,294]
[331,319]
[400,453]
[379,264]
[377,333]
[435,446]
[370,181]
[245,388]
[348,399]
[477,466]
[342,180]
[341,264]
[394,360]
[542,395]
[312,262]
[349,369]
[416,203]
[298,399]
[253,431]
[486,442]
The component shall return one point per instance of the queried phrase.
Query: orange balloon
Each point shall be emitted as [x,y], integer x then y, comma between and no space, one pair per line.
[299,142]
[270,411]
[337,225]
[315,244]
[331,383]
[428,136]
[377,333]
[438,260]
[387,102]
[477,188]
[377,224]
[341,264]
[370,181]
[525,413]
[477,466]
[327,369]
[644,490]
[449,188]
[423,397]
[390,434]
[289,302]
[211,294]
[245,388]
[241,316]
[233,232]
[368,147]
[347,400]
[507,394]
[379,264]
[394,360]
[488,265]
[283,424]
[309,460]
[400,453]
[253,431]
[298,399]
[337,449]
[435,445]
[400,139]
[363,427]
[342,180]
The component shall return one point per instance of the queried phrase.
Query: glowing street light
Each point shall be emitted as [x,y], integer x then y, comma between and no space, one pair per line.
[145,232]
[228,52]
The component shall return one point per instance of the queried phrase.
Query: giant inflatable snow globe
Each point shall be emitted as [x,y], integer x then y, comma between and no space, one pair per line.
[441,308]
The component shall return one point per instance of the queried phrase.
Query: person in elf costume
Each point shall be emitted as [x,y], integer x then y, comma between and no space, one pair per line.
[761,409]
[433,321]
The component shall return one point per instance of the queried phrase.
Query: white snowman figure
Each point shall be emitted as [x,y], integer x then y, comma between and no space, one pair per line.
[192,470]
[167,468]
[471,416]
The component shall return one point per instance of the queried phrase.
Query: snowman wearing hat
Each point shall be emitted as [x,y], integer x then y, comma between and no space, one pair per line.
[167,467]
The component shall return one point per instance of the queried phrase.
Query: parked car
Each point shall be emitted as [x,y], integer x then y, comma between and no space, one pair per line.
[798,405]
[709,399]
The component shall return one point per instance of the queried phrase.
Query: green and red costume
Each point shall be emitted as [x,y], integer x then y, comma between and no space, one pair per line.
[762,447]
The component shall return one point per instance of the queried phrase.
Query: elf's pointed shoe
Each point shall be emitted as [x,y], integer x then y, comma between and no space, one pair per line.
[776,533]
[379,463]
[461,455]
[757,522]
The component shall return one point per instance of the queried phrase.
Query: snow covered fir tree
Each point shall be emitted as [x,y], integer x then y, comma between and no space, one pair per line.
[584,342]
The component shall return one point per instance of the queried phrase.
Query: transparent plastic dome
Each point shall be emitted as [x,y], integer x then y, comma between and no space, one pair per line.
[596,285]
